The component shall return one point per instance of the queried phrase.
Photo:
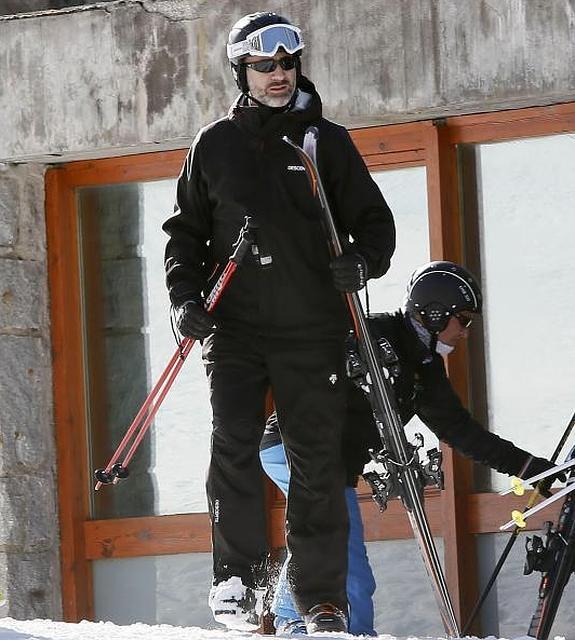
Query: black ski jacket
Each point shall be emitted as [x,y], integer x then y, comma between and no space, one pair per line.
[422,388]
[239,166]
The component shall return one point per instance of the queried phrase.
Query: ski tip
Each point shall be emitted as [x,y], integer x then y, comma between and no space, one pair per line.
[518,519]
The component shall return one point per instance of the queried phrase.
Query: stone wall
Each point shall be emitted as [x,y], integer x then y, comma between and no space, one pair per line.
[29,560]
[132,75]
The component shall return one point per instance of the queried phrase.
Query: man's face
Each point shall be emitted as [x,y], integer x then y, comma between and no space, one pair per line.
[274,89]
[456,329]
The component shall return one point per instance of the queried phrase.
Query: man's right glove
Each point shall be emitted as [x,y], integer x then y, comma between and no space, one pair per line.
[535,466]
[193,321]
[349,272]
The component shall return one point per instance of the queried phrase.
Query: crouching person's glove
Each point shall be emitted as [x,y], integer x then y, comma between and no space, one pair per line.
[193,321]
[535,466]
[349,272]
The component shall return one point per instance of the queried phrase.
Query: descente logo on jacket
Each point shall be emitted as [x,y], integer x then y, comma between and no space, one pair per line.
[295,167]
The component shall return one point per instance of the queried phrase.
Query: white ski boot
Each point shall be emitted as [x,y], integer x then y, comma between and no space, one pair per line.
[235,605]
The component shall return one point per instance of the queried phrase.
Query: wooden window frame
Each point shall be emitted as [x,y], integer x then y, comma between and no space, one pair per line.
[457,514]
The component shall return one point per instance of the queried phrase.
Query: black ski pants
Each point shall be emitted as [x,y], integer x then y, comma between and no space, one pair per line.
[307,380]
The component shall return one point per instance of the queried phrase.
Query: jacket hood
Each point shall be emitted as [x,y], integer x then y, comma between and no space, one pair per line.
[262,122]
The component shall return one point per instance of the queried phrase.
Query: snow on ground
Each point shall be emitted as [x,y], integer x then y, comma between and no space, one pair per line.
[11,629]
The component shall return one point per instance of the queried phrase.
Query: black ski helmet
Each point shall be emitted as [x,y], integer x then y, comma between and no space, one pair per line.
[264,41]
[438,290]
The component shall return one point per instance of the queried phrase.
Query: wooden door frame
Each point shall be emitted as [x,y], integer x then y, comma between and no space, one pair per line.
[70,403]
[456,514]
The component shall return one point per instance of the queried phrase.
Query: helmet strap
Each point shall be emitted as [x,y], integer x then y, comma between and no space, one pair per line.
[239,73]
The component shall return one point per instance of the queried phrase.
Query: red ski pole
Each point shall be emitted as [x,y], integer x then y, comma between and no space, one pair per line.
[115,470]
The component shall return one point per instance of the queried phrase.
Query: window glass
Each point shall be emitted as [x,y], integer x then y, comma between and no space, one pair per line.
[403,586]
[525,193]
[405,191]
[129,342]
[169,589]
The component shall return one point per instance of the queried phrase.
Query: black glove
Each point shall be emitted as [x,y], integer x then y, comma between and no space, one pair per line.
[193,321]
[349,272]
[535,466]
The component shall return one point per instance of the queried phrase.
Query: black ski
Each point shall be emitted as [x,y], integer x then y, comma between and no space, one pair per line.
[405,476]
[555,558]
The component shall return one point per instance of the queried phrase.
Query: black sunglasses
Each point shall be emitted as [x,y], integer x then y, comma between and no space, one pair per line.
[464,321]
[267,66]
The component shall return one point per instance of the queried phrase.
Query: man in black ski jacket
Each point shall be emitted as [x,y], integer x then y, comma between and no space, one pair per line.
[281,322]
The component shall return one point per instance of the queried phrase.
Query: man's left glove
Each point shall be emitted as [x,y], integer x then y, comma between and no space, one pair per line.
[193,321]
[349,272]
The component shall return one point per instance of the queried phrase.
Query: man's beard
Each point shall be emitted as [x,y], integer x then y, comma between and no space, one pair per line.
[274,101]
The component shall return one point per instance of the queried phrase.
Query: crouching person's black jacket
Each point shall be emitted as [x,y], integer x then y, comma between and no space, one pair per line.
[423,388]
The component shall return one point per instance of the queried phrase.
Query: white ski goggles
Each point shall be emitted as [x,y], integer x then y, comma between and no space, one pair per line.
[266,42]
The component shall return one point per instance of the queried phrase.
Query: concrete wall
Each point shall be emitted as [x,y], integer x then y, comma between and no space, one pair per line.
[12,7]
[132,75]
[129,75]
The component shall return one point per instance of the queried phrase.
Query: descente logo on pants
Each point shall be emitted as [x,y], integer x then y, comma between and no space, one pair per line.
[295,167]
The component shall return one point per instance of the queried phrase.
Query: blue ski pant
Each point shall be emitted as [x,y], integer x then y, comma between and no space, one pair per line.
[360,583]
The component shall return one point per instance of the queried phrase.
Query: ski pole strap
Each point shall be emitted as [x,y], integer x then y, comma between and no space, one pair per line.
[244,241]
[175,333]
[242,244]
